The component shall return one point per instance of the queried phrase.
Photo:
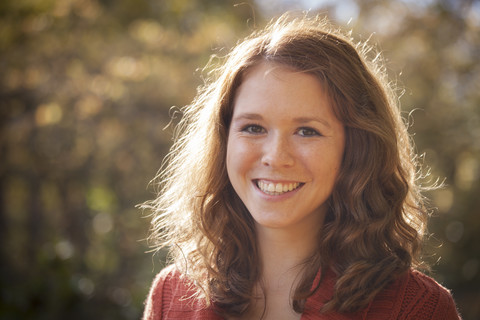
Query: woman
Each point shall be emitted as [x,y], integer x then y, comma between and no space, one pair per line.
[290,191]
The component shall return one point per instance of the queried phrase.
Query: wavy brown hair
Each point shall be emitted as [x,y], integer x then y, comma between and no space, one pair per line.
[376,218]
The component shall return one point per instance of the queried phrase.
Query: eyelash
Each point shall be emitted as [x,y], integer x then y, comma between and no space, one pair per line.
[253,129]
[312,132]
[257,129]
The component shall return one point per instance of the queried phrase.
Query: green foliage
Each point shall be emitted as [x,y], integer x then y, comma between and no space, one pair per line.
[85,92]
[86,89]
[436,50]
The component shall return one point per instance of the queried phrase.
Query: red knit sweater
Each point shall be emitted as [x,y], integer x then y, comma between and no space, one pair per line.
[413,296]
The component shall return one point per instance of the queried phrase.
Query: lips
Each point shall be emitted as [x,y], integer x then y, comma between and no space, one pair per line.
[277,188]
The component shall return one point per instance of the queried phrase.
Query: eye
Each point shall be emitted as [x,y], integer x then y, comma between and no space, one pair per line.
[308,132]
[253,129]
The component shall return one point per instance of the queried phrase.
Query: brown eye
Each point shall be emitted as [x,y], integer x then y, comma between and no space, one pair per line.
[253,129]
[308,132]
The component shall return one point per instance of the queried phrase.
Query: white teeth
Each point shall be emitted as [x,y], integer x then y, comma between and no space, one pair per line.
[277,188]
[270,187]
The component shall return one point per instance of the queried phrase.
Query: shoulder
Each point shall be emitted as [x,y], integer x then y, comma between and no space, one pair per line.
[169,281]
[415,296]
[431,297]
[173,296]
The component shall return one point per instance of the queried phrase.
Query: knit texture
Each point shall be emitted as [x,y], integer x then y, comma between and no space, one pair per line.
[413,296]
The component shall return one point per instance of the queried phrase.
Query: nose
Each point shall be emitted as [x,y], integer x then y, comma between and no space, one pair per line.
[278,152]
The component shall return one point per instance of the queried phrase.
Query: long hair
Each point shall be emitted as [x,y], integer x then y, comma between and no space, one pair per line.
[376,218]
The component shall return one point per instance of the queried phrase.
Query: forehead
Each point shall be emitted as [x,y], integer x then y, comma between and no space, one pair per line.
[281,69]
[273,81]
[276,91]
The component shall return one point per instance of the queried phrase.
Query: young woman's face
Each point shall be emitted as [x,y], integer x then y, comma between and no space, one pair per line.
[285,147]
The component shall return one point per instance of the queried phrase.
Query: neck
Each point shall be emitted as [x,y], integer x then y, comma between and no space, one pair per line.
[283,252]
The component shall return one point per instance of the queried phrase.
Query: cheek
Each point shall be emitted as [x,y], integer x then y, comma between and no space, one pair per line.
[230,164]
[240,158]
[233,161]
[325,164]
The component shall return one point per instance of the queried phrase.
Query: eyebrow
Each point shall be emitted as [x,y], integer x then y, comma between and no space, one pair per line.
[301,120]
[312,119]
[248,116]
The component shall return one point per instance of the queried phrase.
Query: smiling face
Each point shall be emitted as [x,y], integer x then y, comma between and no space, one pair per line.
[285,147]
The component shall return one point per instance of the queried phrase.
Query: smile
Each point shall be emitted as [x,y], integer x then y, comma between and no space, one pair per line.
[275,189]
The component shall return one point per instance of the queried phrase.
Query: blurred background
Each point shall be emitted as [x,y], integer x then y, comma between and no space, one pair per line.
[86,89]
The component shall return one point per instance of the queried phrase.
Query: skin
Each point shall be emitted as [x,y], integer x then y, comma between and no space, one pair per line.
[284,152]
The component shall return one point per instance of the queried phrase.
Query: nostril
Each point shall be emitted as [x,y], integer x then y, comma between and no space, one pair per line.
[278,157]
